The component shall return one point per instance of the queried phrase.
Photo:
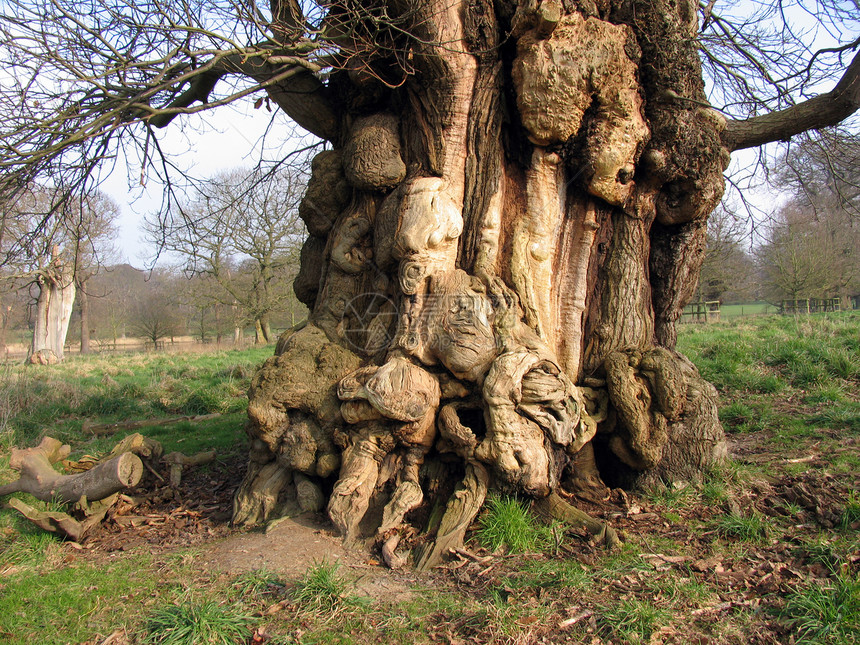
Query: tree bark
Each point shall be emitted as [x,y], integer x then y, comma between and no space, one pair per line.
[38,477]
[53,312]
[500,249]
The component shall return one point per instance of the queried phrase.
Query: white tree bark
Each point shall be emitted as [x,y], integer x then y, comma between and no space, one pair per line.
[53,312]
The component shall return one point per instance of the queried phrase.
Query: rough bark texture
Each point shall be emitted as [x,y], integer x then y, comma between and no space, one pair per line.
[500,248]
[53,312]
[39,478]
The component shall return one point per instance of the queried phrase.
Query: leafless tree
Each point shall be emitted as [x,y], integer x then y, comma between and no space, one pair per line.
[154,312]
[505,225]
[57,259]
[245,234]
[728,271]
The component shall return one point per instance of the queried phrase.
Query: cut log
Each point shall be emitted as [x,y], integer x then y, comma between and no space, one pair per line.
[39,478]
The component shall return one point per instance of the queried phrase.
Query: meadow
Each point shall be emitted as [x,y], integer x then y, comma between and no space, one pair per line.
[765,550]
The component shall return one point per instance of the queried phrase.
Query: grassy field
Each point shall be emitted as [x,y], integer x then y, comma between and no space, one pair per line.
[765,551]
[728,312]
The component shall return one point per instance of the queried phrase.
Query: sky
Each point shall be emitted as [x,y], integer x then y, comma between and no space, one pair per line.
[231,136]
[217,140]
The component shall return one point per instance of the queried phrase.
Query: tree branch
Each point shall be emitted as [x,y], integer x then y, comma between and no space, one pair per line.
[822,111]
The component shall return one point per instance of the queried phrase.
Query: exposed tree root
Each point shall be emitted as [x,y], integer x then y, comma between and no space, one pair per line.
[556,507]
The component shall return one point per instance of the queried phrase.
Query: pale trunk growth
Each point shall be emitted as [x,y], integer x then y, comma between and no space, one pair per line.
[53,312]
[491,306]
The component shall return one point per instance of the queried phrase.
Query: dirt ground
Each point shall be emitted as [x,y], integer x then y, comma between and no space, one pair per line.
[811,502]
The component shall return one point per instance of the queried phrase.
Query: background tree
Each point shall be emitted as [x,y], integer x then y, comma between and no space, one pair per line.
[502,237]
[810,255]
[728,271]
[34,257]
[154,314]
[58,259]
[811,247]
[116,290]
[245,236]
[89,232]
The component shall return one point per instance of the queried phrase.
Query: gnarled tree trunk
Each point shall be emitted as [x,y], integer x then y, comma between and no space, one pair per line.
[500,247]
[53,312]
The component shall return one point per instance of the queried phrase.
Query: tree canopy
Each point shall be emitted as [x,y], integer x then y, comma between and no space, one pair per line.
[82,79]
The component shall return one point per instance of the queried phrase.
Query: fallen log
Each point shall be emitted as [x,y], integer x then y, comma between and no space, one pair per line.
[63,523]
[38,477]
[101,429]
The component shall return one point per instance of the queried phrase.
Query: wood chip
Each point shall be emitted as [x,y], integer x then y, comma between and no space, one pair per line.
[570,622]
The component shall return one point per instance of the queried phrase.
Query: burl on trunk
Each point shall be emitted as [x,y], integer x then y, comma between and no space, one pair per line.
[501,242]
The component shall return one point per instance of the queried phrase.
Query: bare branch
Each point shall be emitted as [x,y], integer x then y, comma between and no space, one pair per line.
[825,110]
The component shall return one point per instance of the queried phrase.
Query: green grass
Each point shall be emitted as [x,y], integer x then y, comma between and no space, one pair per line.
[323,589]
[748,528]
[508,523]
[59,399]
[65,603]
[123,387]
[770,353]
[632,620]
[191,621]
[851,514]
[669,496]
[826,614]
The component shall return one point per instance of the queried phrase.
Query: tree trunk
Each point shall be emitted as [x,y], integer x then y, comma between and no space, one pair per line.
[499,250]
[53,312]
[84,305]
[217,324]
[265,328]
[4,328]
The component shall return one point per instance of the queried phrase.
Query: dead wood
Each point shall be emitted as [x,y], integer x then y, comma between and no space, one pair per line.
[389,552]
[461,510]
[64,523]
[39,478]
[177,460]
[199,459]
[52,521]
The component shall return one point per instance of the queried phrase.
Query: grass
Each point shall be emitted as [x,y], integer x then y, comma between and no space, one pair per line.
[788,384]
[792,378]
[827,614]
[323,589]
[633,620]
[198,622]
[65,603]
[748,528]
[851,514]
[122,387]
[509,524]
